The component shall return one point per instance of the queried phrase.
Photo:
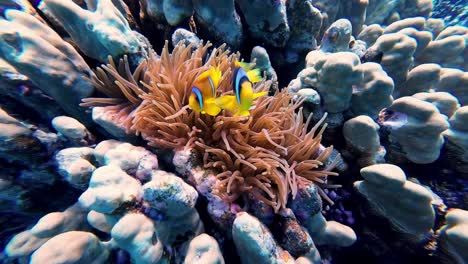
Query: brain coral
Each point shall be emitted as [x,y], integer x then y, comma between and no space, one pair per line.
[269,154]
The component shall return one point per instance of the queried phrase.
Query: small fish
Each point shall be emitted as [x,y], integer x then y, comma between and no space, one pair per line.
[242,85]
[202,97]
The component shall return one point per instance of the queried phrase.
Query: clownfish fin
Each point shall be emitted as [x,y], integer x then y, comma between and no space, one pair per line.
[211,108]
[254,75]
[257,95]
[228,102]
[242,113]
[215,74]
[246,66]
[204,75]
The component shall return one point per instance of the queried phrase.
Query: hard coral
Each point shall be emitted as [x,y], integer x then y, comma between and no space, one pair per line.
[267,154]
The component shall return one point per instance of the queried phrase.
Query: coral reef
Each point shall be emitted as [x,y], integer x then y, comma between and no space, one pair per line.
[411,211]
[49,226]
[453,236]
[363,141]
[222,18]
[253,238]
[107,30]
[112,202]
[17,87]
[109,155]
[457,141]
[227,139]
[415,130]
[27,43]
[204,249]
[81,247]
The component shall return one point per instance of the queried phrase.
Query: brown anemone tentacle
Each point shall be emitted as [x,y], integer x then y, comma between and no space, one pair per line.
[269,154]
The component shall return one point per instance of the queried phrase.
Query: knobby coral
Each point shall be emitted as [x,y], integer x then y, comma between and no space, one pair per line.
[268,154]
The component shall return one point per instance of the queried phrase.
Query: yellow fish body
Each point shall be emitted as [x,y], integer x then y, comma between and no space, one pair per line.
[203,94]
[242,85]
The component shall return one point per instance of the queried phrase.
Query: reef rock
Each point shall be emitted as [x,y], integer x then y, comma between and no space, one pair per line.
[453,237]
[204,249]
[415,130]
[457,141]
[72,247]
[256,242]
[405,204]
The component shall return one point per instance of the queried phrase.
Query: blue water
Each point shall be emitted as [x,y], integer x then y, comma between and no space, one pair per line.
[454,12]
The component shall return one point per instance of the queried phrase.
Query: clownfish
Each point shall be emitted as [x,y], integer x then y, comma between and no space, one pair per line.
[242,86]
[203,94]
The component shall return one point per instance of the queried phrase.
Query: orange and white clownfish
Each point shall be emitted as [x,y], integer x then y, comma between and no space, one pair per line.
[203,94]
[242,85]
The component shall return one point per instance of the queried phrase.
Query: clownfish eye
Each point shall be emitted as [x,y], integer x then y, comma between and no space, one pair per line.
[198,96]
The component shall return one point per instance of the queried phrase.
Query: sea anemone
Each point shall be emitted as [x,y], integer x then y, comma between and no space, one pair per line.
[269,154]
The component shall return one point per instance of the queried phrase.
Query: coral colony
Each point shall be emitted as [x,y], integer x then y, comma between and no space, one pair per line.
[139,131]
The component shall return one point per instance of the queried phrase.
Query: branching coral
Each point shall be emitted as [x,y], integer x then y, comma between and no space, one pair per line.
[268,154]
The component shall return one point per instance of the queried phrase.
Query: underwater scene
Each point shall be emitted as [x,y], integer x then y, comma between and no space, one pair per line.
[233,131]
